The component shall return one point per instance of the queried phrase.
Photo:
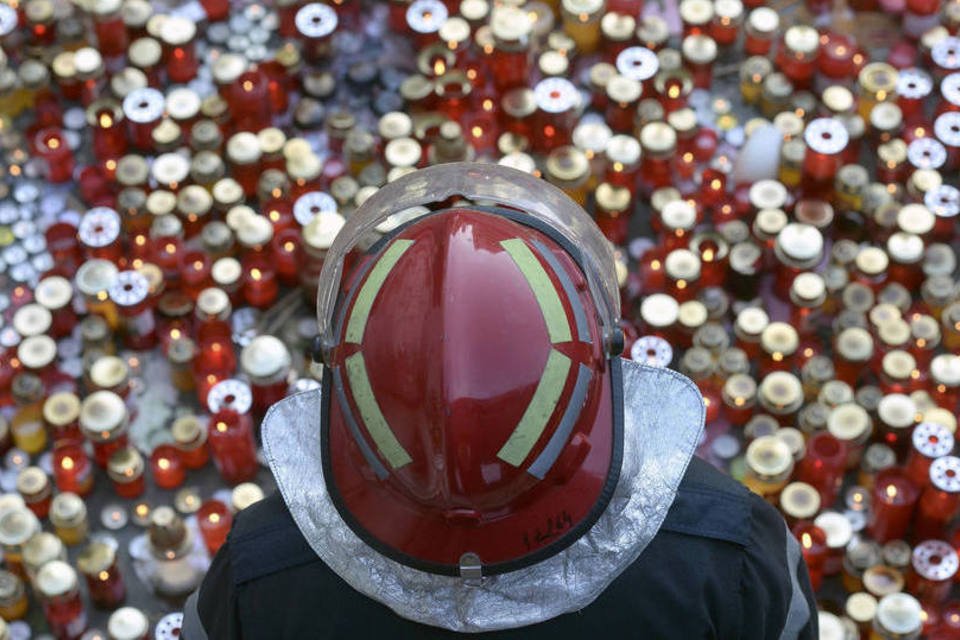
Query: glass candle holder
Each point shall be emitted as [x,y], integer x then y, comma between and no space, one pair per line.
[58,590]
[35,488]
[769,464]
[933,567]
[72,470]
[98,564]
[813,546]
[214,520]
[13,597]
[57,157]
[260,285]
[510,58]
[125,469]
[894,501]
[231,442]
[61,414]
[167,469]
[104,421]
[939,500]
[823,465]
[190,438]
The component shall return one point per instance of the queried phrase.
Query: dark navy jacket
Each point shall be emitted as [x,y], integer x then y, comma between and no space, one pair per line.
[721,566]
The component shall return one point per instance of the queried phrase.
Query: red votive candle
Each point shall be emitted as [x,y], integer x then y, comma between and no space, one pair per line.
[823,465]
[52,148]
[214,519]
[72,470]
[98,564]
[126,471]
[167,469]
[260,286]
[933,566]
[813,546]
[894,499]
[940,500]
[232,445]
[930,441]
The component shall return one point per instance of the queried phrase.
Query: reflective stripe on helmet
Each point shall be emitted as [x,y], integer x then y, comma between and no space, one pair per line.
[531,426]
[370,289]
[579,316]
[544,462]
[365,449]
[543,289]
[383,436]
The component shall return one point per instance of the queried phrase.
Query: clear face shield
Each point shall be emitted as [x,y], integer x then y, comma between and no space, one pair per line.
[483,184]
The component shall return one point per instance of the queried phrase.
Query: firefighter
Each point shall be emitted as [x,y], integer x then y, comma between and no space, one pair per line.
[479,459]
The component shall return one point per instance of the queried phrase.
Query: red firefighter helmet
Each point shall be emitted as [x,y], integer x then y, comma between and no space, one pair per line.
[472,411]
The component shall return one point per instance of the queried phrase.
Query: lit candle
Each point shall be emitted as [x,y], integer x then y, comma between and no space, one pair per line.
[232,445]
[813,546]
[260,286]
[214,519]
[823,465]
[894,499]
[166,466]
[930,441]
[98,564]
[58,158]
[125,469]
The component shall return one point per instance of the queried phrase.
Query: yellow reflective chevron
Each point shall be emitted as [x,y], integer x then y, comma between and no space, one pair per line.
[370,289]
[543,289]
[383,436]
[541,407]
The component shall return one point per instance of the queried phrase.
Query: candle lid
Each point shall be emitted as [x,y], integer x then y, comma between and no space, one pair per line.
[61,409]
[945,369]
[894,333]
[623,151]
[67,509]
[682,265]
[800,500]
[618,27]
[830,626]
[638,63]
[900,613]
[17,525]
[898,364]
[916,219]
[87,61]
[652,351]
[935,560]
[779,339]
[947,128]
[193,200]
[837,527]
[849,422]
[861,607]
[264,357]
[826,135]
[188,429]
[769,457]
[125,465]
[802,242]
[659,310]
[170,169]
[751,322]
[872,261]
[556,95]
[101,414]
[230,394]
[945,474]
[32,481]
[658,137]
[914,84]
[624,90]
[37,352]
[769,222]
[244,495]
[129,289]
[399,152]
[897,411]
[227,192]
[423,16]
[905,248]
[54,293]
[226,271]
[32,319]
[942,417]
[243,148]
[99,227]
[56,578]
[41,549]
[109,372]
[128,623]
[699,49]
[510,25]
[254,231]
[692,315]
[809,288]
[321,231]
[96,557]
[177,30]
[394,124]
[740,390]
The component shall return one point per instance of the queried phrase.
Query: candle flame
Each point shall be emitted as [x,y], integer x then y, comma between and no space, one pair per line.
[289,246]
[707,255]
[53,143]
[255,273]
[104,576]
[163,463]
[806,540]
[891,491]
[214,518]
[67,463]
[222,427]
[106,121]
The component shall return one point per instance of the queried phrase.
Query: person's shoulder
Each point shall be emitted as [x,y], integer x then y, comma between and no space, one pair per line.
[265,539]
[710,504]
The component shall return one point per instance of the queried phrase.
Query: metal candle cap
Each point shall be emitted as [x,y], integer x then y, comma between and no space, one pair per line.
[56,578]
[945,474]
[127,623]
[230,394]
[652,351]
